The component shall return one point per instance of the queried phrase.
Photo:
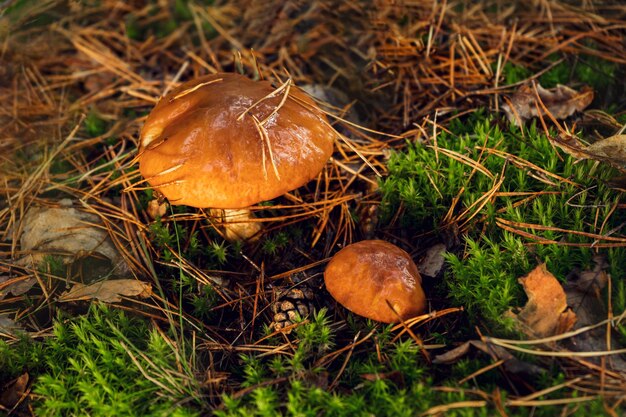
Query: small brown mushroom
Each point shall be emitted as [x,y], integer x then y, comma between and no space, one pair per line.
[224,141]
[368,277]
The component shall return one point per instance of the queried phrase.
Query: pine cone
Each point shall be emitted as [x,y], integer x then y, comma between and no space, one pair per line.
[291,303]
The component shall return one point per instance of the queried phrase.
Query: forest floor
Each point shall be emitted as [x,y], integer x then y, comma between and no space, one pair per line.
[485,139]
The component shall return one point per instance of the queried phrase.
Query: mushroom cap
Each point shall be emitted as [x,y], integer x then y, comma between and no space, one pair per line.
[365,275]
[197,149]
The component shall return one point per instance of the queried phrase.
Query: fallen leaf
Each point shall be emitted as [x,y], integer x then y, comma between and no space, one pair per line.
[236,224]
[453,355]
[15,285]
[584,295]
[7,325]
[89,71]
[611,150]
[394,376]
[67,232]
[546,312]
[583,291]
[315,379]
[337,99]
[511,363]
[571,145]
[14,391]
[368,215]
[560,101]
[109,291]
[433,260]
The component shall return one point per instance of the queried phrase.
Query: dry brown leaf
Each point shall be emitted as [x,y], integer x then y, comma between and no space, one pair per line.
[237,224]
[67,232]
[611,150]
[584,292]
[7,325]
[546,312]
[453,355]
[511,363]
[560,101]
[14,391]
[109,291]
[368,215]
[16,286]
[394,376]
[571,145]
[433,261]
[584,295]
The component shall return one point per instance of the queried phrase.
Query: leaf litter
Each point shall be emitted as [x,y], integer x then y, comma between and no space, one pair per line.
[611,150]
[14,392]
[584,294]
[109,291]
[572,311]
[532,100]
[433,261]
[510,363]
[64,232]
[546,313]
[8,325]
[69,233]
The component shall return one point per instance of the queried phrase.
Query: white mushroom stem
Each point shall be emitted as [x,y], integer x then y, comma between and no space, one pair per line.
[237,224]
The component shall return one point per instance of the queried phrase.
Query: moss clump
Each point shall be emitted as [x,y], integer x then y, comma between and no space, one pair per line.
[382,378]
[543,194]
[583,69]
[103,364]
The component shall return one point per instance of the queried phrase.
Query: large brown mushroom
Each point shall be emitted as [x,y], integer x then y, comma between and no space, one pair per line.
[224,141]
[377,280]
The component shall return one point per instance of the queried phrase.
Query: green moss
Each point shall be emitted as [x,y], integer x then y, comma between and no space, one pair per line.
[392,380]
[203,303]
[596,72]
[561,73]
[24,355]
[513,74]
[104,363]
[275,243]
[218,252]
[94,124]
[53,265]
[178,12]
[423,184]
[27,14]
[576,71]
[60,166]
[133,30]
[181,10]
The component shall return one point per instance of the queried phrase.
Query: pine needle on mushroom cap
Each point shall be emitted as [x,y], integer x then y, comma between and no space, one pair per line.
[218,130]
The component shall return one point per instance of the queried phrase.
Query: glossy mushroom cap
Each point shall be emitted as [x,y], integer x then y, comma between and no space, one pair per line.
[365,275]
[201,145]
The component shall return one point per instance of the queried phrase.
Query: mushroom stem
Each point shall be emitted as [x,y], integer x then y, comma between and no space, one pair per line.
[236,224]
